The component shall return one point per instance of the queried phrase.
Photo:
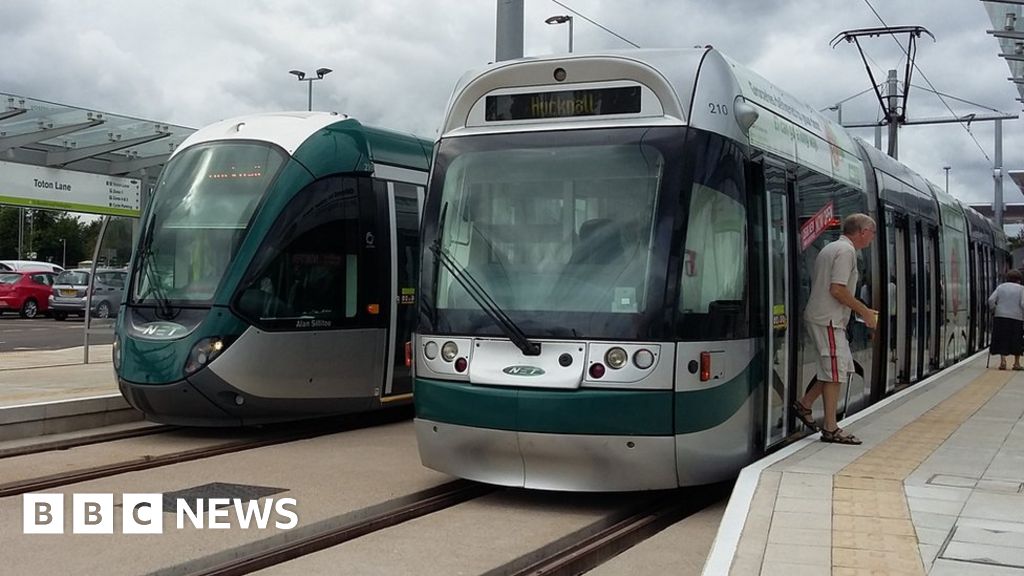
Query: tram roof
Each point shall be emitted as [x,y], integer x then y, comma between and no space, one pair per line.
[48,134]
[291,129]
[677,67]
[675,79]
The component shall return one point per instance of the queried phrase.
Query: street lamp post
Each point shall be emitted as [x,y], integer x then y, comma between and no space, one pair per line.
[562,19]
[946,168]
[63,253]
[320,73]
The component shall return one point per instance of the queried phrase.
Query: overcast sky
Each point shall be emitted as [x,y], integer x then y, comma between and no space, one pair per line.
[192,62]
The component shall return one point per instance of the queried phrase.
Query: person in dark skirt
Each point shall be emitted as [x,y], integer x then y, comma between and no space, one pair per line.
[1007,302]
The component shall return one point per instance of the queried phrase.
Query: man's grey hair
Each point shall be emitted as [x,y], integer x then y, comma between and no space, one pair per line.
[856,222]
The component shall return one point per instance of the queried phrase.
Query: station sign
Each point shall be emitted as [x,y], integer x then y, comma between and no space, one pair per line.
[57,189]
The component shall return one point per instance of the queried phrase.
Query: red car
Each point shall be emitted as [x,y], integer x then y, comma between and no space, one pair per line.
[27,293]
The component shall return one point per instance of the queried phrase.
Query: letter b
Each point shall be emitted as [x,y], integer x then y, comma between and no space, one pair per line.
[92,514]
[43,513]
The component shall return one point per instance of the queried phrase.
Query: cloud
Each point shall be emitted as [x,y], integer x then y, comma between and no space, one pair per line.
[192,62]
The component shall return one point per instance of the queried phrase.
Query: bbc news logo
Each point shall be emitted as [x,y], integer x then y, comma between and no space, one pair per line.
[144,514]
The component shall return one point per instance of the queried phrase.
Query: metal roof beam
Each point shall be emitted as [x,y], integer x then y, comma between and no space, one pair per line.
[1013,57]
[19,140]
[120,167]
[12,112]
[1010,34]
[1014,2]
[75,154]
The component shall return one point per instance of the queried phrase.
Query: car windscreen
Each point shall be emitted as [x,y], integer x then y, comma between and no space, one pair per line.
[73,278]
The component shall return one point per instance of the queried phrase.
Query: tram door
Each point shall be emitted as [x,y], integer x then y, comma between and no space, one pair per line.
[782,321]
[901,357]
[973,334]
[404,204]
[932,334]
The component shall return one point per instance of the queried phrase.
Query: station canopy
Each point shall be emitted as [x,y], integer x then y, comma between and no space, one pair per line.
[1008,28]
[68,158]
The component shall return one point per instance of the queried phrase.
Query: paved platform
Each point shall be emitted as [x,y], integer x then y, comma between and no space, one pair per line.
[47,375]
[935,489]
[53,391]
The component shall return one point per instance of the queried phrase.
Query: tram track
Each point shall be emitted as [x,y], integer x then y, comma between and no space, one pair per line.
[583,552]
[445,496]
[571,554]
[279,434]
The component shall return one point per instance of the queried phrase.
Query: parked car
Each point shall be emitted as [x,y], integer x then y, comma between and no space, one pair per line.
[27,293]
[28,266]
[71,287]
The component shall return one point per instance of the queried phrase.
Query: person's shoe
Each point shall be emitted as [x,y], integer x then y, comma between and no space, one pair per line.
[803,414]
[839,436]
[1018,367]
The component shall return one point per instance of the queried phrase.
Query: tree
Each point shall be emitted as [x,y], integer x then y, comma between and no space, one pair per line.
[9,232]
[59,237]
[1017,241]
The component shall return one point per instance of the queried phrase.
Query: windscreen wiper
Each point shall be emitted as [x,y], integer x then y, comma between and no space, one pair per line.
[480,295]
[164,309]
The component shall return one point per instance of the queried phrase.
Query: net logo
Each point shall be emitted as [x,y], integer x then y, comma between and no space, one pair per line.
[143,513]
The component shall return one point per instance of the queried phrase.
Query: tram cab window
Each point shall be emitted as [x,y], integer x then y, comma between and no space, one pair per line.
[713,291]
[713,279]
[306,272]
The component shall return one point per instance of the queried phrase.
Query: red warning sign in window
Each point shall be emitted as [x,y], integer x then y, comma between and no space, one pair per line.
[811,229]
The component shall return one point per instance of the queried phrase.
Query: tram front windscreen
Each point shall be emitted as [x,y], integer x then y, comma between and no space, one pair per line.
[201,211]
[557,228]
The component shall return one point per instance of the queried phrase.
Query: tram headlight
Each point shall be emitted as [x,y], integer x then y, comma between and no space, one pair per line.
[643,359]
[203,353]
[430,350]
[616,357]
[115,351]
[449,351]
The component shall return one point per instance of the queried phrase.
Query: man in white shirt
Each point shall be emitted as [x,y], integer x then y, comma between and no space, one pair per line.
[828,311]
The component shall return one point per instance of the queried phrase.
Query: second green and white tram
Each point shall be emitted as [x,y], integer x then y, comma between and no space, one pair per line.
[275,275]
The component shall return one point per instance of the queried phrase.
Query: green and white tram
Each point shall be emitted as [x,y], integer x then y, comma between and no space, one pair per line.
[275,274]
[616,255]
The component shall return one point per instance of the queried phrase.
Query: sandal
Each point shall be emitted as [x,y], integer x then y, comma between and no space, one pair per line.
[803,414]
[1002,366]
[1018,368]
[838,436]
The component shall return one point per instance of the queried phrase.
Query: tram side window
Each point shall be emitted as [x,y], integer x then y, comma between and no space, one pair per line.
[307,268]
[713,279]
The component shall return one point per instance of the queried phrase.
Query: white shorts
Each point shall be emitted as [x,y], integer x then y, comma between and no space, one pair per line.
[835,361]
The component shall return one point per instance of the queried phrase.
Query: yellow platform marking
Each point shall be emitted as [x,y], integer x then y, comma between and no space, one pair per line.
[395,398]
[872,532]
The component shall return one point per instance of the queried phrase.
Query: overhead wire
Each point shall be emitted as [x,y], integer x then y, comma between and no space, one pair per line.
[848,98]
[951,97]
[608,30]
[929,82]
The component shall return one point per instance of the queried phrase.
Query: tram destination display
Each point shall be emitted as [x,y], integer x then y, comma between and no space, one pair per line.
[563,104]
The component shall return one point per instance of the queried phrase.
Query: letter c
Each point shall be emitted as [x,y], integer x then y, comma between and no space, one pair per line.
[137,518]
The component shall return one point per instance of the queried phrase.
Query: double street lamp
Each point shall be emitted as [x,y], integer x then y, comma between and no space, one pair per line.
[320,73]
[562,19]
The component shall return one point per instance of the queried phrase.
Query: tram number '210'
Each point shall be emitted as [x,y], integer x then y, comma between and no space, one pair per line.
[718,108]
